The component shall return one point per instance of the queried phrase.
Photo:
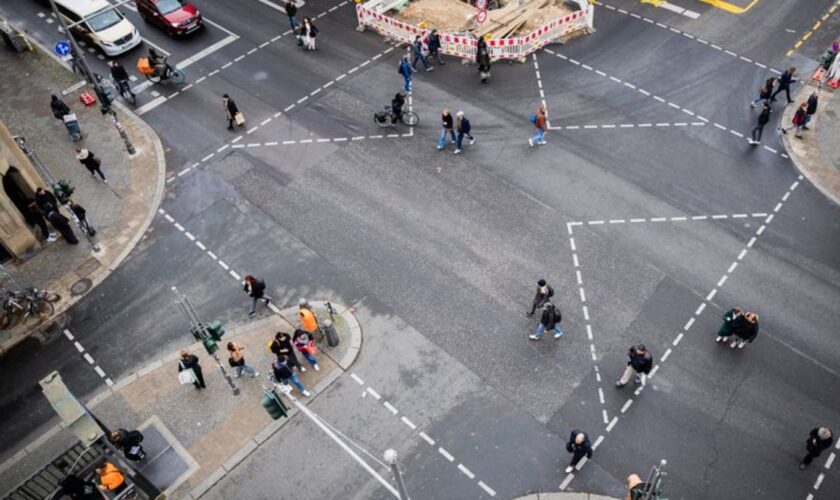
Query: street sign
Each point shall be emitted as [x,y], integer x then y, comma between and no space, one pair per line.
[62,48]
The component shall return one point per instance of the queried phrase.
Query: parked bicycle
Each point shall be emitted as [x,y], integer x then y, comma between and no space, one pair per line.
[20,305]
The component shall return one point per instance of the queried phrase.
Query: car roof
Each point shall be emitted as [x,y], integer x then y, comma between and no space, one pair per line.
[84,8]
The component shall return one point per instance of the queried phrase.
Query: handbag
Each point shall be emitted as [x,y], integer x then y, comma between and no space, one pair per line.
[186,375]
[239,118]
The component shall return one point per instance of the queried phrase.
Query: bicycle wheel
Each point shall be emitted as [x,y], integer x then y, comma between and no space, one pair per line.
[43,309]
[177,76]
[50,296]
[10,319]
[128,95]
[385,123]
[410,118]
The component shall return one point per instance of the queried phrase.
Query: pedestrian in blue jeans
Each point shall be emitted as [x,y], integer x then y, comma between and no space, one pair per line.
[447,128]
[420,55]
[540,120]
[464,128]
[305,344]
[405,71]
[550,318]
[291,11]
[284,374]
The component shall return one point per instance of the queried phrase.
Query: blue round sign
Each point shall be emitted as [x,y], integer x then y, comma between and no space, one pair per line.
[62,48]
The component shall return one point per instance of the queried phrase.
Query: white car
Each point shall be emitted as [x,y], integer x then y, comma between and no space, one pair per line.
[100,24]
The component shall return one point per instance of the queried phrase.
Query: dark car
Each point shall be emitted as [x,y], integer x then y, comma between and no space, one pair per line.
[177,17]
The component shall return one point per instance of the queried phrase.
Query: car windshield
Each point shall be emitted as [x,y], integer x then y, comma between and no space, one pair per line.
[167,6]
[104,19]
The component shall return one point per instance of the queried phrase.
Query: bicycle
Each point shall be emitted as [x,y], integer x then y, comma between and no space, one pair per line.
[386,118]
[32,302]
[125,91]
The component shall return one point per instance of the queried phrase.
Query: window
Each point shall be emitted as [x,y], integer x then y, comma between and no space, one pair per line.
[104,19]
[167,6]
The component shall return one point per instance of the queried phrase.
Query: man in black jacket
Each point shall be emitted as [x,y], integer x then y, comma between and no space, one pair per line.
[579,446]
[544,293]
[639,363]
[763,118]
[190,361]
[811,110]
[434,46]
[820,439]
[784,84]
[291,11]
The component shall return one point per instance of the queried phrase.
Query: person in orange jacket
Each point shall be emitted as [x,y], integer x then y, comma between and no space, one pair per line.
[111,478]
[307,318]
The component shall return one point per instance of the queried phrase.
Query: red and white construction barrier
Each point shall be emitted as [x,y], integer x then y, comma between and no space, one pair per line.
[463,45]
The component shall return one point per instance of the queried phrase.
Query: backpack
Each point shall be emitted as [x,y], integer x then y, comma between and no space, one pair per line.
[550,292]
[532,119]
[259,286]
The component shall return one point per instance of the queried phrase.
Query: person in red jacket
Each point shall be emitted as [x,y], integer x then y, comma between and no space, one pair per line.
[540,120]
[798,120]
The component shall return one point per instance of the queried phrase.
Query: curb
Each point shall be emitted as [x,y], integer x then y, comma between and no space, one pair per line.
[355,333]
[807,155]
[70,301]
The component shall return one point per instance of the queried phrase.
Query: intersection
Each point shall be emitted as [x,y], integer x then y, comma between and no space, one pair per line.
[647,211]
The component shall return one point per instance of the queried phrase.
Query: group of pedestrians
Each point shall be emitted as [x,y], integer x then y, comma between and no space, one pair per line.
[767,96]
[45,207]
[739,324]
[306,32]
[454,129]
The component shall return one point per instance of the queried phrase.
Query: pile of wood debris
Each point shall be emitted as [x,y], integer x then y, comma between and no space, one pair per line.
[459,16]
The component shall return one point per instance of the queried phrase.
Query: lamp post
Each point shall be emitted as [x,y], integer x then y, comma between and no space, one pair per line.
[391,459]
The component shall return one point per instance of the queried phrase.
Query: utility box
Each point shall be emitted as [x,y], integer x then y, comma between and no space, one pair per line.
[73,415]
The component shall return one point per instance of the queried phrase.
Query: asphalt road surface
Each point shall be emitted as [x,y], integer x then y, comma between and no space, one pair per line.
[647,211]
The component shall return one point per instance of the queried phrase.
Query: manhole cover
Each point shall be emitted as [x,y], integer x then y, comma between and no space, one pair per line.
[81,286]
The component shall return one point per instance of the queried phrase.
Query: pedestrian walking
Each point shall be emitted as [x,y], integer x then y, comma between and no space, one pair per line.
[81,214]
[309,31]
[543,294]
[91,162]
[255,288]
[189,371]
[540,121]
[58,107]
[281,345]
[747,332]
[482,58]
[308,320]
[820,439]
[291,11]
[765,92]
[37,217]
[549,320]
[811,109]
[284,374]
[419,49]
[237,361]
[579,446]
[232,112]
[784,84]
[129,443]
[447,128]
[61,224]
[77,488]
[111,479]
[639,363]
[434,46]
[761,121]
[733,319]
[405,70]
[798,120]
[305,344]
[463,127]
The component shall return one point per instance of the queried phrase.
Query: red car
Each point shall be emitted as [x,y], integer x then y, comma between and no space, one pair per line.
[177,17]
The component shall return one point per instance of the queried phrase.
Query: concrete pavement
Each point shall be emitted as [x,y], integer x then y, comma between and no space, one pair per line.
[121,211]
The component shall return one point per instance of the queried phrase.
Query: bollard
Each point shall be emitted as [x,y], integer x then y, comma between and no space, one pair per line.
[329,330]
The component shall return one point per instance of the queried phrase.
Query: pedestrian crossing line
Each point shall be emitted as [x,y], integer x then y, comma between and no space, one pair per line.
[233,142]
[88,358]
[626,125]
[691,37]
[235,60]
[670,104]
[425,437]
[691,321]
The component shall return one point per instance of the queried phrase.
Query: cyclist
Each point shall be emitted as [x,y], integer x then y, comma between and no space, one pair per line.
[396,107]
[158,62]
[120,76]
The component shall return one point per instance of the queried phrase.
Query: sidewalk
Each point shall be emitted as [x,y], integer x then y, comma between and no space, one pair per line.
[121,210]
[817,154]
[205,433]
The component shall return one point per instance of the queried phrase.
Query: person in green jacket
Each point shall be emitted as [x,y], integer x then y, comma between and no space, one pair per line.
[732,320]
